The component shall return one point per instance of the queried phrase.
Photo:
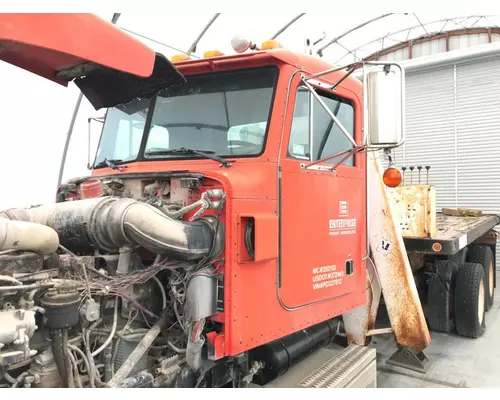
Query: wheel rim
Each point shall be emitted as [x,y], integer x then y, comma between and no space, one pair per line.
[480,303]
[492,277]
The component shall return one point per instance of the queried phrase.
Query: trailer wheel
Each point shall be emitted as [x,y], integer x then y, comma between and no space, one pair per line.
[484,256]
[440,300]
[461,257]
[470,300]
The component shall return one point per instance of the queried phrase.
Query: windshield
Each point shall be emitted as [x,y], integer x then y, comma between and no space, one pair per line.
[122,132]
[224,113]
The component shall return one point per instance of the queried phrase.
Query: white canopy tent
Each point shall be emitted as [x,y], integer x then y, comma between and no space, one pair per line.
[36,119]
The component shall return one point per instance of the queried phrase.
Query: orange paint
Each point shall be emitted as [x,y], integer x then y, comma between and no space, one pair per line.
[47,43]
[302,244]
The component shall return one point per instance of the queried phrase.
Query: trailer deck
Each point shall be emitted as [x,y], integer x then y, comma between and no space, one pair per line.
[452,234]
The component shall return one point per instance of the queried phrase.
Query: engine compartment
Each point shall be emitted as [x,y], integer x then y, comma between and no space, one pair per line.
[117,284]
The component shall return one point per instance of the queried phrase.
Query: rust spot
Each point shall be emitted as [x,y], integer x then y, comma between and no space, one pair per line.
[394,272]
[414,206]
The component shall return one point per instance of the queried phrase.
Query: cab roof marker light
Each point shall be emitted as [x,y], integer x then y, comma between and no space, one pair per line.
[212,53]
[180,57]
[271,45]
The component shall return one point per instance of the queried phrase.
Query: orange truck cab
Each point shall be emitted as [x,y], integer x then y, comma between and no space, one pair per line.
[287,150]
[295,238]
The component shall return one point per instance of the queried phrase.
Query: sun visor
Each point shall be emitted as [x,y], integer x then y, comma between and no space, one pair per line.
[105,87]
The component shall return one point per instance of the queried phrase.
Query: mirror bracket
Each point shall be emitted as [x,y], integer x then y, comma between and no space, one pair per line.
[89,137]
[350,69]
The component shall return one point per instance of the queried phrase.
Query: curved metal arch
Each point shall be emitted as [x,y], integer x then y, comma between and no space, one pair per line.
[456,20]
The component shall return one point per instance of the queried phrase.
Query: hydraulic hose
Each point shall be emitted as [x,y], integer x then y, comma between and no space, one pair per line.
[57,350]
[67,359]
[112,333]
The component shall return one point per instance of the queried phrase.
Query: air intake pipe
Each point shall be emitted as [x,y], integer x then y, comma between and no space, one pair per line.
[111,223]
[26,236]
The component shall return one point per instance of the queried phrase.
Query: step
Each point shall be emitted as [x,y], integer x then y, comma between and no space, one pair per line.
[333,367]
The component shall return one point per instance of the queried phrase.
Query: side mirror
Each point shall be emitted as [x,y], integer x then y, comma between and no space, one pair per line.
[89,138]
[384,105]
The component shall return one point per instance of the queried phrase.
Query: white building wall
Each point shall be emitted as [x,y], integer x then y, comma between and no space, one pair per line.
[453,125]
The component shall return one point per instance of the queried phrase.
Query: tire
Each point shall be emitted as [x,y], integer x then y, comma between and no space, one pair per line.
[470,300]
[461,257]
[440,300]
[484,256]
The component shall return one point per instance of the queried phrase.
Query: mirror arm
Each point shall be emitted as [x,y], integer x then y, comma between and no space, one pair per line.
[350,70]
[347,153]
[332,70]
[329,112]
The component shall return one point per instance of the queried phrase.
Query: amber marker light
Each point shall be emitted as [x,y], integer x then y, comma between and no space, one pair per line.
[392,177]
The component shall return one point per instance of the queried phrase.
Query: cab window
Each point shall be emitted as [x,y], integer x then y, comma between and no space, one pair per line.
[327,137]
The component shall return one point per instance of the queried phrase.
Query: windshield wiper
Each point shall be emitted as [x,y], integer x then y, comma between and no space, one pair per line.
[111,164]
[184,151]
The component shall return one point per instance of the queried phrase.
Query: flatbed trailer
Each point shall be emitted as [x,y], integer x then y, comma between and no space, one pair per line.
[452,256]
[453,234]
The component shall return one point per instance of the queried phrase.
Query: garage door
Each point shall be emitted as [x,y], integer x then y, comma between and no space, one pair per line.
[453,125]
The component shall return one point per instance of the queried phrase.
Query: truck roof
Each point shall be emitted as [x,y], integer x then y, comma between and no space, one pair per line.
[297,60]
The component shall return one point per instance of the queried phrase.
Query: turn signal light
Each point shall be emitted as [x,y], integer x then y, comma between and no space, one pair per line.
[179,58]
[212,53]
[270,45]
[392,177]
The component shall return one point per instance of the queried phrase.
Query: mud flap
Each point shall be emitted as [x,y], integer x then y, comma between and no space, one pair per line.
[441,288]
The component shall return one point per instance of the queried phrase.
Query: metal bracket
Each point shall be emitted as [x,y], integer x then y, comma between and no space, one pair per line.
[317,167]
[409,359]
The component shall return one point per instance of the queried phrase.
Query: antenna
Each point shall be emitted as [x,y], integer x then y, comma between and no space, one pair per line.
[192,48]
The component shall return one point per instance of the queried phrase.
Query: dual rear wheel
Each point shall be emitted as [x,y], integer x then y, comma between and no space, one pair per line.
[462,291]
[470,300]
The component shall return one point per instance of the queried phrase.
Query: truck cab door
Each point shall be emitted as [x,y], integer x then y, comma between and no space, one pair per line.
[322,222]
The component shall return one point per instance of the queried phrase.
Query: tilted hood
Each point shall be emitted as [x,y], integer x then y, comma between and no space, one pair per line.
[108,65]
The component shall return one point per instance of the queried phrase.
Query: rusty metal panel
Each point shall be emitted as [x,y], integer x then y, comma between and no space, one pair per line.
[393,267]
[359,321]
[414,207]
